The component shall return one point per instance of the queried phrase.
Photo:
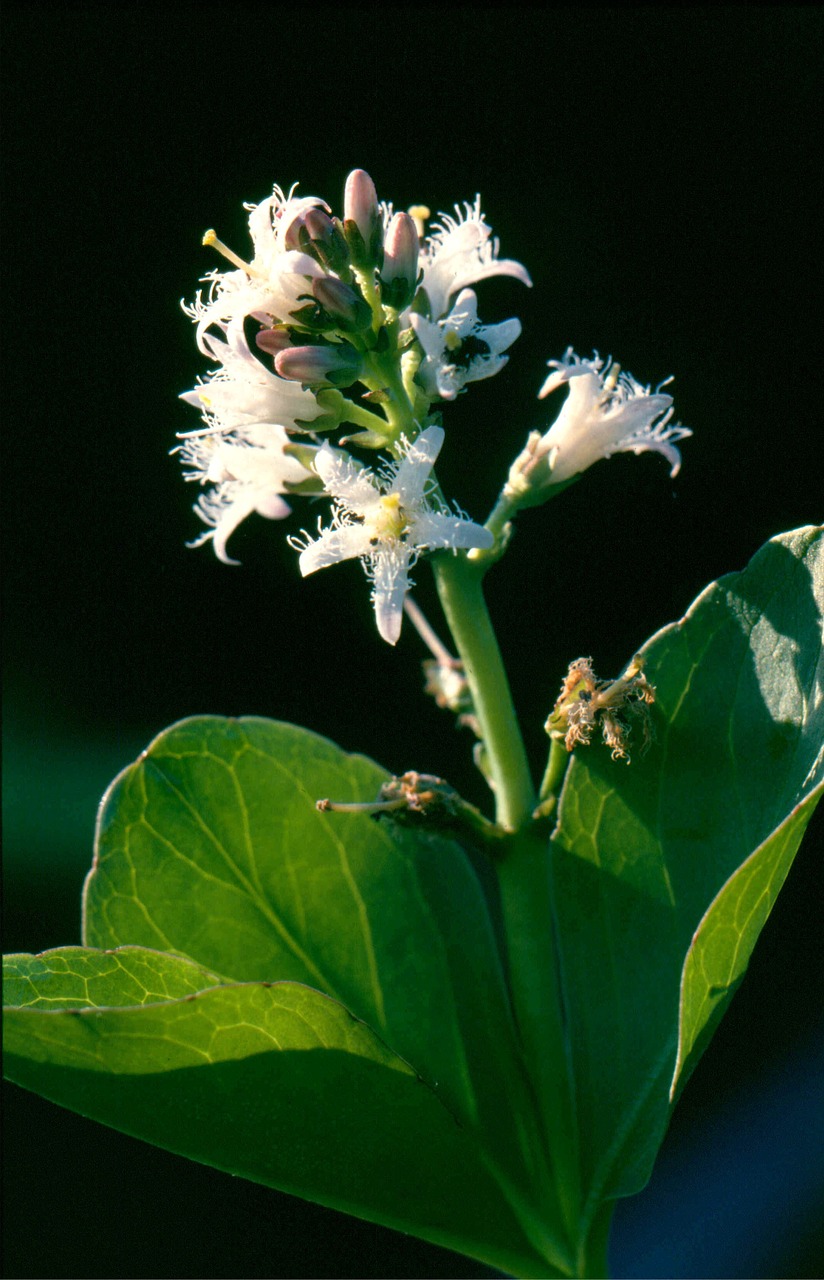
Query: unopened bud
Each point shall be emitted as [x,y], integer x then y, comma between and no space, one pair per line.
[337,366]
[327,240]
[315,233]
[273,340]
[362,219]
[346,305]
[399,273]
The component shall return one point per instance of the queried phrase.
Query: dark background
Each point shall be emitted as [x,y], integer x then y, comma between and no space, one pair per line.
[659,172]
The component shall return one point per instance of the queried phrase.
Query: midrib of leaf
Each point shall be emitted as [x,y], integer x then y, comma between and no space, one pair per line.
[624,1130]
[665,749]
[257,898]
[346,869]
[272,917]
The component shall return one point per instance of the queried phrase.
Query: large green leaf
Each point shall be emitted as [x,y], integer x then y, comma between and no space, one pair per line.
[210,846]
[695,836]
[77,978]
[274,1081]
[718,957]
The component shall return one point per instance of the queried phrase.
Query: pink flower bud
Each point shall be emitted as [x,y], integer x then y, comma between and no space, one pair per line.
[399,273]
[272,341]
[362,219]
[338,366]
[343,303]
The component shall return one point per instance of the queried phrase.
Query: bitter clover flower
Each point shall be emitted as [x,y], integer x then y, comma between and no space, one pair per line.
[275,278]
[459,349]
[386,520]
[242,391]
[248,470]
[603,414]
[371,320]
[459,252]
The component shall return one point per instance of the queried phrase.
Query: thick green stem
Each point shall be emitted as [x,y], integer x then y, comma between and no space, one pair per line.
[523,876]
[592,1262]
[397,407]
[524,881]
[459,586]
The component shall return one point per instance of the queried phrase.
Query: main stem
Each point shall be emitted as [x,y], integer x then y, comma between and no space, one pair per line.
[523,876]
[459,586]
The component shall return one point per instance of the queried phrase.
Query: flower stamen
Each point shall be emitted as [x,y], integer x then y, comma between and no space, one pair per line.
[211,241]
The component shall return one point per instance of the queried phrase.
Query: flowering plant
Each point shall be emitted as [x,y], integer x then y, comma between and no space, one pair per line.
[361,988]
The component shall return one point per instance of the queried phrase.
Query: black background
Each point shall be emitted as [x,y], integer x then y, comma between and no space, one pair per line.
[659,173]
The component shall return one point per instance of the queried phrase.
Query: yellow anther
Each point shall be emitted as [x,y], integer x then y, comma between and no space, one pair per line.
[211,241]
[451,340]
[611,380]
[419,213]
[392,522]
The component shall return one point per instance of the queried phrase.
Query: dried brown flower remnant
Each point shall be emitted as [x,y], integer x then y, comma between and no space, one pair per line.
[618,706]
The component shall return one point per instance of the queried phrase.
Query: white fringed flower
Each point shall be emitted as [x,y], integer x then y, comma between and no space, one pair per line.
[242,391]
[386,521]
[603,414]
[458,252]
[249,472]
[459,349]
[275,279]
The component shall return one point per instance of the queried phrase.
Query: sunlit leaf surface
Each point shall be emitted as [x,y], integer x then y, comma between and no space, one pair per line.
[643,855]
[318,1001]
[210,848]
[273,1081]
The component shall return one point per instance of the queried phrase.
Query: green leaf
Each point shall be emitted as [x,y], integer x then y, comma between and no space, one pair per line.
[273,1081]
[210,847]
[76,978]
[694,838]
[718,957]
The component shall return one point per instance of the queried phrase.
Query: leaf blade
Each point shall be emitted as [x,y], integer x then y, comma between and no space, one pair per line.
[275,1082]
[219,815]
[726,936]
[641,853]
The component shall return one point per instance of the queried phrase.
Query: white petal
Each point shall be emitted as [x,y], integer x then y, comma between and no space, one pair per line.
[413,471]
[351,485]
[334,545]
[449,380]
[391,578]
[429,335]
[471,274]
[464,314]
[236,512]
[656,444]
[499,337]
[441,532]
[272,506]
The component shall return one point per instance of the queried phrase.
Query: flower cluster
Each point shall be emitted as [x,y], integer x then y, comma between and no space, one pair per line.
[366,320]
[387,521]
[362,320]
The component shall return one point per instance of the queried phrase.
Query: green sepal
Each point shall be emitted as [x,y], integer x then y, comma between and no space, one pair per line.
[365,440]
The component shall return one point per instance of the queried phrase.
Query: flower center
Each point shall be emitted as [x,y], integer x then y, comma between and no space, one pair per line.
[389,522]
[464,350]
